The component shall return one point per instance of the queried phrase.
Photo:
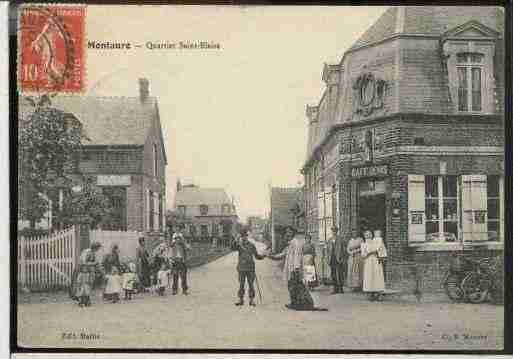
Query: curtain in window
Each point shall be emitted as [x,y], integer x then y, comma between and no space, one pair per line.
[476,89]
[462,89]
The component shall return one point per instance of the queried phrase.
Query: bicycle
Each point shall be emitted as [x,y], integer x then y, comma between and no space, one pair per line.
[459,268]
[483,284]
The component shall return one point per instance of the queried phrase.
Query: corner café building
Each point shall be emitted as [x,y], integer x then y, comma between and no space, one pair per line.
[408,138]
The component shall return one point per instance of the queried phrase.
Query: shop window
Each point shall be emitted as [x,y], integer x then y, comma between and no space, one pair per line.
[470,74]
[203,209]
[450,208]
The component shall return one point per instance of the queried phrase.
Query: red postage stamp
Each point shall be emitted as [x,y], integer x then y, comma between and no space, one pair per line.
[50,48]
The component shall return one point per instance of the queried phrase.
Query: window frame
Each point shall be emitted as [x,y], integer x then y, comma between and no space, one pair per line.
[468,66]
[203,208]
[155,159]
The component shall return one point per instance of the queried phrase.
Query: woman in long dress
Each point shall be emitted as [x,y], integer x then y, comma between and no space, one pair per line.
[300,298]
[373,252]
[355,264]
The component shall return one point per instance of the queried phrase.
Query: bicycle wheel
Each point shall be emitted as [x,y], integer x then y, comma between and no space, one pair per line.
[452,287]
[476,287]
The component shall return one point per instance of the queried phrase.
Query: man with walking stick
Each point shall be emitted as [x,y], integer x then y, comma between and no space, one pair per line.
[246,266]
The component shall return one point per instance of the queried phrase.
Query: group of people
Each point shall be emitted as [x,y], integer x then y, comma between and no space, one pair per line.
[358,263]
[149,272]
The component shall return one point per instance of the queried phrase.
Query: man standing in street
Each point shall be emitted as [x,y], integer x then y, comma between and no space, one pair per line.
[338,261]
[179,247]
[246,266]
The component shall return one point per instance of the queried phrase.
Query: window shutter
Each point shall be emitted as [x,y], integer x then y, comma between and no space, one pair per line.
[474,207]
[416,208]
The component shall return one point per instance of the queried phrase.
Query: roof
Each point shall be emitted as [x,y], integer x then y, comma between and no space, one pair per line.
[195,196]
[109,120]
[283,201]
[429,20]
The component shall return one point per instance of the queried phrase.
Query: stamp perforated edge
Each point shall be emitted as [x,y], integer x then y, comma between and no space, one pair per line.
[83,90]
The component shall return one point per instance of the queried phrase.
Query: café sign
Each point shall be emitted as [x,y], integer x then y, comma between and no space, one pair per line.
[114,180]
[369,171]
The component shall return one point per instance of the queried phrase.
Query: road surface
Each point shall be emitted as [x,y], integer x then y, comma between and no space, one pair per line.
[207,318]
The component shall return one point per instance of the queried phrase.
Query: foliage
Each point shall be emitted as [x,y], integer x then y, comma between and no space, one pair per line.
[48,140]
[88,205]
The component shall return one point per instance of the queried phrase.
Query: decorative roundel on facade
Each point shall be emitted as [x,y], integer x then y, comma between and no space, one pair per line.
[367,89]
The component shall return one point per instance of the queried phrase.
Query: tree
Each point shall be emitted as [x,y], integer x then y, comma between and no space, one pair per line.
[87,204]
[49,139]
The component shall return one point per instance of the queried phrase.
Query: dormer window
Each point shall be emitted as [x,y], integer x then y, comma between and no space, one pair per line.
[470,74]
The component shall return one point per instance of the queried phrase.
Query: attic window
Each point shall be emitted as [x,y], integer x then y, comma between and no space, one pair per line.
[470,73]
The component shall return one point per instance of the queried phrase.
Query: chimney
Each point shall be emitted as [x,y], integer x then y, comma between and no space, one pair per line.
[144,89]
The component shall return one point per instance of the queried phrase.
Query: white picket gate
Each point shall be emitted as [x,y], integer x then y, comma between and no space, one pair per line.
[47,262]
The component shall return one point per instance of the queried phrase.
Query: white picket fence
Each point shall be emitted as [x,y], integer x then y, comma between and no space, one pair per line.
[47,262]
[127,241]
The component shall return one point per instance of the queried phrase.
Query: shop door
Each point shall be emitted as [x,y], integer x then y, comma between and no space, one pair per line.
[372,207]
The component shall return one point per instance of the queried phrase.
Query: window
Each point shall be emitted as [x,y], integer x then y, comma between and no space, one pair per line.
[155,160]
[117,220]
[151,211]
[470,68]
[161,213]
[215,229]
[450,208]
[203,209]
[204,230]
[441,203]
[182,210]
[495,230]
[225,209]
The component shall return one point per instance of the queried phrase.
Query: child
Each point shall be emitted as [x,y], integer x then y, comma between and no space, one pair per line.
[309,274]
[84,286]
[163,279]
[113,287]
[129,281]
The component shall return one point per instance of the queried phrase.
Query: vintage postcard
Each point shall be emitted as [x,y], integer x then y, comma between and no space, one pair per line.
[260,177]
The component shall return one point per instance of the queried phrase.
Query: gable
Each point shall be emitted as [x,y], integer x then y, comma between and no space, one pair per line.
[471,29]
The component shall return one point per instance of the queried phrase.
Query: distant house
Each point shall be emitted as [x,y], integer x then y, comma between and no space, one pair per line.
[205,212]
[287,208]
[124,154]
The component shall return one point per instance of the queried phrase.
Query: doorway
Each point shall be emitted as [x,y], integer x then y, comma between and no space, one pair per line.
[372,206]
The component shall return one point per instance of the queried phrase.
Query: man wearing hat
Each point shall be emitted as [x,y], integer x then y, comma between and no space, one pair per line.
[338,261]
[246,266]
[179,247]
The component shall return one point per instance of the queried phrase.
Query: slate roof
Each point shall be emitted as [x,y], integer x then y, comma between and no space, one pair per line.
[429,20]
[108,120]
[283,200]
[195,196]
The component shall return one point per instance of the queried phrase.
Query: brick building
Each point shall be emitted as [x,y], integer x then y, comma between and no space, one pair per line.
[408,138]
[205,212]
[124,154]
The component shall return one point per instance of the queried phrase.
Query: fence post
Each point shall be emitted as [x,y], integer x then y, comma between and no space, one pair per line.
[21,257]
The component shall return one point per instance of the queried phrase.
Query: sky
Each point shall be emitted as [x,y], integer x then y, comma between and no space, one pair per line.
[235,117]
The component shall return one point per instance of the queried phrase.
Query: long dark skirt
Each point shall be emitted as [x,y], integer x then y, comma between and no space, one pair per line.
[300,298]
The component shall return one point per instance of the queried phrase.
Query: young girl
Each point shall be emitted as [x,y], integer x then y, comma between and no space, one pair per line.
[113,287]
[163,279]
[129,281]
[84,286]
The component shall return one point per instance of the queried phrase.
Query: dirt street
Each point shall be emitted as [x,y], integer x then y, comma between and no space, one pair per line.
[207,318]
